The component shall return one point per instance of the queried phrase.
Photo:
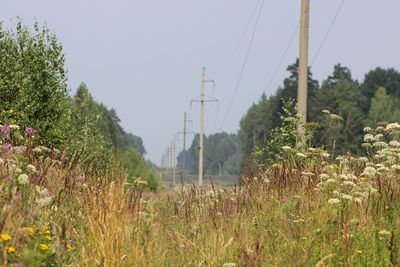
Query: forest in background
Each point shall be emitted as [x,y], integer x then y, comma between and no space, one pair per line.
[357,104]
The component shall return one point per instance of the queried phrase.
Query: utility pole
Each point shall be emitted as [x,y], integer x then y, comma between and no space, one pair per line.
[173,161]
[184,141]
[303,65]
[201,145]
[202,101]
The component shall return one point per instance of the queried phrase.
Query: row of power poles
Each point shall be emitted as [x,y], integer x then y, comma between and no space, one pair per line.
[169,158]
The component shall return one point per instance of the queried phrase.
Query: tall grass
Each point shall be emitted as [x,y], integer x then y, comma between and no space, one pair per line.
[306,210]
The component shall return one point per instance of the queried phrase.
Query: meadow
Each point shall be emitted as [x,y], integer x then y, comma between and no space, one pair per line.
[308,209]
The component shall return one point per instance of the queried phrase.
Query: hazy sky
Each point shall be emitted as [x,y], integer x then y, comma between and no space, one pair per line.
[144,57]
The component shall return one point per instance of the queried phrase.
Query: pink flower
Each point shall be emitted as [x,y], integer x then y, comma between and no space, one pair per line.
[285,200]
[7,146]
[47,194]
[80,178]
[30,130]
[35,213]
[5,130]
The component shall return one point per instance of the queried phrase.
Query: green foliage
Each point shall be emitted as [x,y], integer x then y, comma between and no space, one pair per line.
[219,148]
[33,91]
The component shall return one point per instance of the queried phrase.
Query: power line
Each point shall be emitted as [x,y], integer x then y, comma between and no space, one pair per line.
[244,63]
[327,33]
[235,49]
[283,57]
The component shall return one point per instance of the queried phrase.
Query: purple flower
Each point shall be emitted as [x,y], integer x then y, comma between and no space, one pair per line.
[5,130]
[7,146]
[285,200]
[30,130]
[6,178]
[80,178]
[35,213]
[47,194]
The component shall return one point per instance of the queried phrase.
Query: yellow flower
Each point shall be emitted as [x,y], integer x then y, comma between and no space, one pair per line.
[359,251]
[5,237]
[30,230]
[45,228]
[11,110]
[362,179]
[69,247]
[44,246]
[48,238]
[335,166]
[10,249]
[47,232]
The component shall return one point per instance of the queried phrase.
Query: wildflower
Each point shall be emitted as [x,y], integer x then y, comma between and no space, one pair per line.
[35,213]
[380,129]
[325,155]
[5,237]
[359,251]
[357,200]
[286,148]
[330,181]
[5,129]
[395,167]
[368,138]
[335,166]
[285,200]
[367,129]
[14,127]
[347,197]
[44,202]
[69,248]
[44,246]
[7,146]
[336,117]
[301,155]
[30,130]
[48,237]
[384,233]
[37,150]
[392,126]
[394,143]
[369,172]
[349,183]
[10,249]
[378,137]
[326,111]
[30,168]
[23,179]
[334,201]
[362,179]
[80,178]
[1,161]
[30,230]
[324,176]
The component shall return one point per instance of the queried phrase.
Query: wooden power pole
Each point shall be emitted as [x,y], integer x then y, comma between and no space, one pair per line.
[303,65]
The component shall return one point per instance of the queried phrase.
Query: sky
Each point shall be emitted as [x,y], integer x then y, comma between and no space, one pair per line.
[144,58]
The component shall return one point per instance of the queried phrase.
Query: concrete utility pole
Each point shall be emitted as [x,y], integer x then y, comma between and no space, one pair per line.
[173,149]
[303,65]
[201,145]
[184,141]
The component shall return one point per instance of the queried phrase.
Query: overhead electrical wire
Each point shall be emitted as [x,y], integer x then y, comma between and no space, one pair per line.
[283,57]
[243,65]
[235,49]
[328,32]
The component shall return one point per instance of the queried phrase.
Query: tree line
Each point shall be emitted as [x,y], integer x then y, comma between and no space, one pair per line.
[34,93]
[357,104]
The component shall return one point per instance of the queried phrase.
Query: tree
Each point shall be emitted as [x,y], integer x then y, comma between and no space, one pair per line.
[387,78]
[33,90]
[383,108]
